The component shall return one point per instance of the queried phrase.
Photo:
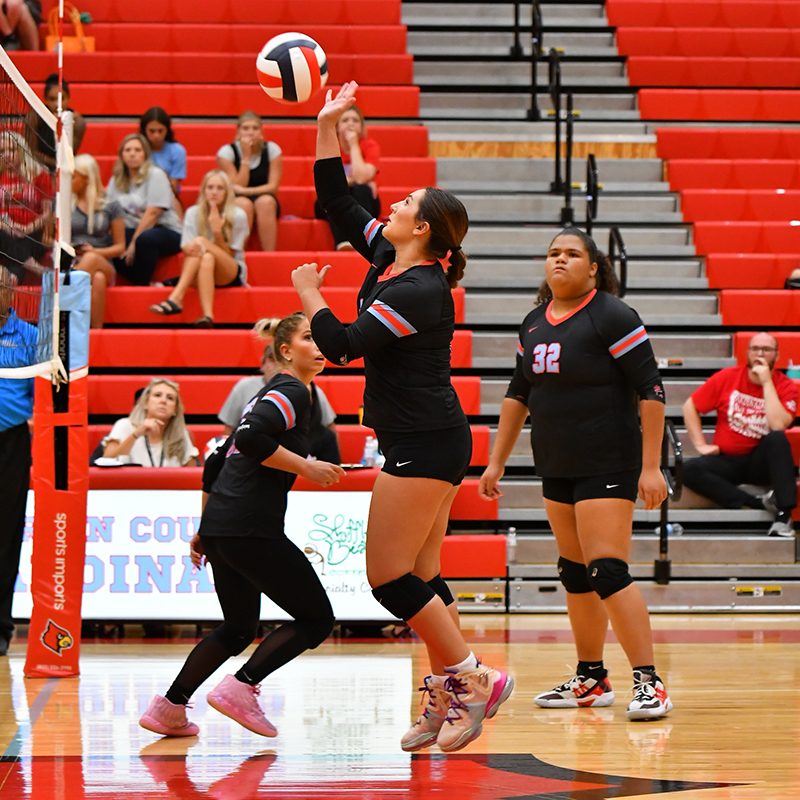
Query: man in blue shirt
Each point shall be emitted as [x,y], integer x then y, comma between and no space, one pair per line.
[18,341]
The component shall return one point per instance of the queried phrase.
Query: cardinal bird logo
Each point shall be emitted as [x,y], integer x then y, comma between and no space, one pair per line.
[56,638]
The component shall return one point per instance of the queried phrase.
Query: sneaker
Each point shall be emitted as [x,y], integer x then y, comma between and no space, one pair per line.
[167,719]
[477,694]
[238,701]
[650,699]
[578,692]
[424,731]
[782,528]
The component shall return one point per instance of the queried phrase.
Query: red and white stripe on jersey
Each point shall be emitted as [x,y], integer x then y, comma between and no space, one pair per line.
[370,229]
[627,343]
[520,351]
[391,319]
[284,406]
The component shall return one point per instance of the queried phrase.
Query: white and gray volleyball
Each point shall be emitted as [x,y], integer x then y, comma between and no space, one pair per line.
[291,67]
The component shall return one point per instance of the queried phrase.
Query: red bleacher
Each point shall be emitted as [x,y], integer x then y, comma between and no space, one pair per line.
[747,237]
[695,173]
[232,67]
[728,143]
[740,307]
[739,205]
[788,347]
[749,270]
[177,347]
[205,394]
[226,100]
[713,71]
[704,13]
[777,105]
[740,42]
[205,138]
[328,12]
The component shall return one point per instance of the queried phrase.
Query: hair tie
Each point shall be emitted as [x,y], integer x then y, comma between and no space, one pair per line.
[457,247]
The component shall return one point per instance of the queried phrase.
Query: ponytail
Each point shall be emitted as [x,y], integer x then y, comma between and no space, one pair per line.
[448,221]
[280,331]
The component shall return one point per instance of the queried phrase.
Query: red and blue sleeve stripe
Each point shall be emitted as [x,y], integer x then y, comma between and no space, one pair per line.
[284,406]
[520,351]
[391,319]
[627,343]
[371,229]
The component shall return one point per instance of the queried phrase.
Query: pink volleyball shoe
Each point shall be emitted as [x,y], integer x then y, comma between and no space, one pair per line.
[477,694]
[167,719]
[424,731]
[238,701]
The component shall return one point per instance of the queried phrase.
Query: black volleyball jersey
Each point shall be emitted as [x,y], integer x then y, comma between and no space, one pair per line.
[579,376]
[247,498]
[404,329]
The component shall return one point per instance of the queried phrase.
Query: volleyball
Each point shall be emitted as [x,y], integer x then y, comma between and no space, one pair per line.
[291,67]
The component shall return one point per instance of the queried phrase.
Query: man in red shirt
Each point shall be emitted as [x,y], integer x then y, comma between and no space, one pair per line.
[754,405]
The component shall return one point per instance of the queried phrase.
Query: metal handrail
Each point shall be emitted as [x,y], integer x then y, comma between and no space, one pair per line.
[662,567]
[567,212]
[616,249]
[534,114]
[592,192]
[554,89]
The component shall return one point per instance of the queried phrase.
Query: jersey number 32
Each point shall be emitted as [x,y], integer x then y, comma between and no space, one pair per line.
[545,358]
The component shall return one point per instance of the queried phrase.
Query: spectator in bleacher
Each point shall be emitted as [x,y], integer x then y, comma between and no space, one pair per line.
[361,158]
[26,207]
[16,409]
[152,226]
[587,376]
[793,281]
[155,434]
[255,167]
[214,234]
[156,125]
[755,404]
[18,26]
[323,438]
[98,231]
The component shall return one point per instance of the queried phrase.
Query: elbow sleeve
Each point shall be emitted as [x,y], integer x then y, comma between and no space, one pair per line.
[253,443]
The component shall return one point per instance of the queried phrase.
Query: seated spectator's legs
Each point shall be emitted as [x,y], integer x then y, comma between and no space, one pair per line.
[266,211]
[718,478]
[771,464]
[103,275]
[151,245]
[322,445]
[362,194]
[27,32]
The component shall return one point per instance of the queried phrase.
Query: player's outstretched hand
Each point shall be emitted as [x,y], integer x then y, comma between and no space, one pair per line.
[487,488]
[307,277]
[323,473]
[652,488]
[336,106]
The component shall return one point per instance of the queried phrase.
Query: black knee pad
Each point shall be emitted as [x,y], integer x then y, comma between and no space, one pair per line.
[404,597]
[442,589]
[317,631]
[608,576]
[573,576]
[234,639]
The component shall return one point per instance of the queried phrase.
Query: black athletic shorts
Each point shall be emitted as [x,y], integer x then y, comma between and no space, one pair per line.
[623,485]
[442,454]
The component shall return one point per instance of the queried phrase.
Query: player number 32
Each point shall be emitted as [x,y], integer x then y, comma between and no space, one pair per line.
[545,358]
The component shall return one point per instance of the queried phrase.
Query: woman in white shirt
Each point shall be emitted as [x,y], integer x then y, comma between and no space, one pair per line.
[155,433]
[152,227]
[213,239]
[254,168]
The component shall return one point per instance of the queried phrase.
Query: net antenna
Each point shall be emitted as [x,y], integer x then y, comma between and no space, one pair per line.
[36,164]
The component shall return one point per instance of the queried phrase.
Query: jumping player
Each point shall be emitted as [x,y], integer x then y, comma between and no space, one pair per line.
[241,534]
[404,330]
[582,358]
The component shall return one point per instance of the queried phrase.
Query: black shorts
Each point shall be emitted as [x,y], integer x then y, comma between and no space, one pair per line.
[623,485]
[443,455]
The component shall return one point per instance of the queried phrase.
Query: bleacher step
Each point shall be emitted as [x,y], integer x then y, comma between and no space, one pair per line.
[454,43]
[518,74]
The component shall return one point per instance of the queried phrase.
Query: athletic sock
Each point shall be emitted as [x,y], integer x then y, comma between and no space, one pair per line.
[177,695]
[470,662]
[648,669]
[783,516]
[592,669]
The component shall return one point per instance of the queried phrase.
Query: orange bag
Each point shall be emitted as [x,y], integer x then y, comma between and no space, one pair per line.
[72,44]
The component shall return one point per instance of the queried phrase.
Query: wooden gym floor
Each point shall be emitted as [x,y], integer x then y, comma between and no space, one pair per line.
[341,710]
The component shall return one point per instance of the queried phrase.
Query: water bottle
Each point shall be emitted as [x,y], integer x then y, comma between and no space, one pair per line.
[511,546]
[370,452]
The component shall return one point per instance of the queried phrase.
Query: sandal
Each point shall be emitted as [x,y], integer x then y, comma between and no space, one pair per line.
[203,322]
[166,308]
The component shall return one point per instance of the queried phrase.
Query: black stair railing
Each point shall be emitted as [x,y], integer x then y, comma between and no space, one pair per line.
[616,250]
[662,567]
[592,192]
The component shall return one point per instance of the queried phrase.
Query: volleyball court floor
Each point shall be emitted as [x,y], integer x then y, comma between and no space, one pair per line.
[340,711]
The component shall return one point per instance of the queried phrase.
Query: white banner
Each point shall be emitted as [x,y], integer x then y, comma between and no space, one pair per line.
[137,556]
